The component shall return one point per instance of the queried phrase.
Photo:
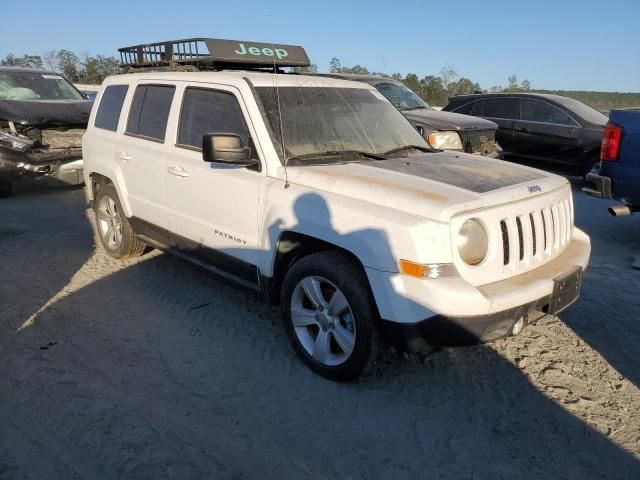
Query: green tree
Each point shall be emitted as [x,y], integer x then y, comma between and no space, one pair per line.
[313,68]
[68,63]
[334,65]
[26,61]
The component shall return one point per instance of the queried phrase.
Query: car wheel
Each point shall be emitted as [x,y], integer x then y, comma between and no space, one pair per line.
[6,188]
[330,315]
[115,232]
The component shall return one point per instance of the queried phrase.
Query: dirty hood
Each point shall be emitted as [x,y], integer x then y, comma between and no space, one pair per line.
[46,112]
[448,120]
[431,185]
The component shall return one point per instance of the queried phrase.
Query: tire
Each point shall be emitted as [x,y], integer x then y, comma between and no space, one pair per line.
[115,232]
[6,188]
[321,338]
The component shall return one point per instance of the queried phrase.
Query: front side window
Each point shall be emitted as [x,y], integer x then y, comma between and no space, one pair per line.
[110,107]
[150,111]
[500,108]
[36,86]
[537,111]
[209,111]
[401,96]
[315,120]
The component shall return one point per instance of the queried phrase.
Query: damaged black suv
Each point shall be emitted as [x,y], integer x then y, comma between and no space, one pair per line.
[42,120]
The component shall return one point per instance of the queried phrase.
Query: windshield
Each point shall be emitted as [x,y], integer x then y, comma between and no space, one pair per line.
[401,96]
[317,120]
[36,86]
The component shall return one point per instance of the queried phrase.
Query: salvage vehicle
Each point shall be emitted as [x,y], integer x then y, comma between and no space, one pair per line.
[619,174]
[545,131]
[42,120]
[318,193]
[442,130]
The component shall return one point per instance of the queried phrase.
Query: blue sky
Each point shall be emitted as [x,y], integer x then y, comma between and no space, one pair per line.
[572,45]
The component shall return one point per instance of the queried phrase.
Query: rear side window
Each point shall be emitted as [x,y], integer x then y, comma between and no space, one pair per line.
[209,111]
[537,111]
[500,108]
[110,107]
[150,110]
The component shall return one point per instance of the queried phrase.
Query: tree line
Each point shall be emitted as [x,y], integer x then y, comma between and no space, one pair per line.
[434,89]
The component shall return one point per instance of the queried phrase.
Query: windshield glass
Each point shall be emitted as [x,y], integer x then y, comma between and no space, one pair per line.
[316,120]
[402,97]
[36,86]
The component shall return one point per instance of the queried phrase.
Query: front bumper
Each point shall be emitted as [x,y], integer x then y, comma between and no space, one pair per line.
[62,164]
[450,311]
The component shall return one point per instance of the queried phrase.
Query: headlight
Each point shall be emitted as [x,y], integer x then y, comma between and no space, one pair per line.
[445,140]
[472,242]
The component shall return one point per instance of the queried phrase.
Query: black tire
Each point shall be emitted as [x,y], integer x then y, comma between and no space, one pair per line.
[129,246]
[346,276]
[6,188]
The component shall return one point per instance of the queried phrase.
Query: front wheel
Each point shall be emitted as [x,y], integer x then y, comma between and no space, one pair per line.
[114,230]
[330,316]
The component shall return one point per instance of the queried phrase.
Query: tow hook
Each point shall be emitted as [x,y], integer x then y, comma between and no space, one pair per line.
[519,325]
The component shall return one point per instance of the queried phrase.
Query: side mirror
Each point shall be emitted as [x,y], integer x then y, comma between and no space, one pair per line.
[225,148]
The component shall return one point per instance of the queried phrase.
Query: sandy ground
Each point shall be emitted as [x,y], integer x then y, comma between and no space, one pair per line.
[152,369]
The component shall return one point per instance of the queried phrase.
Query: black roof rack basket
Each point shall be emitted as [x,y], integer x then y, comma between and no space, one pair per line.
[212,54]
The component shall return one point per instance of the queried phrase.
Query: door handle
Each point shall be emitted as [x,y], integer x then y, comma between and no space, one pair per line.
[124,156]
[178,171]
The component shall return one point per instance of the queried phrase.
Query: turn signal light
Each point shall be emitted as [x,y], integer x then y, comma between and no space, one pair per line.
[430,270]
[610,142]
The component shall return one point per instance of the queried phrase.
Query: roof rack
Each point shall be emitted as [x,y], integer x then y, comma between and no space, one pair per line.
[212,54]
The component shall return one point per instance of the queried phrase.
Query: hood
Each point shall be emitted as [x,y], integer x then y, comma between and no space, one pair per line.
[46,112]
[430,185]
[448,120]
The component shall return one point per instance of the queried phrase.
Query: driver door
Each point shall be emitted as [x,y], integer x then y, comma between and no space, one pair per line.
[213,207]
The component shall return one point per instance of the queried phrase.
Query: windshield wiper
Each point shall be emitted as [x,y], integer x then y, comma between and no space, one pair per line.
[338,153]
[408,147]
[413,108]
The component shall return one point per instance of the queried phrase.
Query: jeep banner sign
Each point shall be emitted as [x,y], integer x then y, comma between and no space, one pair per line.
[241,52]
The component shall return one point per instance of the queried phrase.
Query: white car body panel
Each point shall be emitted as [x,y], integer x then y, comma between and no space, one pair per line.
[379,215]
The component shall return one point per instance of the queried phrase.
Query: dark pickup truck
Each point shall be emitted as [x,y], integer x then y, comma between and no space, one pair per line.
[42,120]
[619,174]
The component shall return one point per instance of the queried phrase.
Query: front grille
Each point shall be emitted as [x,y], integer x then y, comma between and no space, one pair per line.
[478,141]
[521,233]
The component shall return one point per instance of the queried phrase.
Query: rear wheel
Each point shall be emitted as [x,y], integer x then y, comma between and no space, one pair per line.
[114,230]
[330,316]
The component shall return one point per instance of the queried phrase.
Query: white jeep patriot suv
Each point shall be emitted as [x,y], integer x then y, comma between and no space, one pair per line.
[320,194]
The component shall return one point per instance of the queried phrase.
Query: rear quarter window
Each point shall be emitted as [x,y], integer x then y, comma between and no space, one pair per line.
[150,110]
[110,107]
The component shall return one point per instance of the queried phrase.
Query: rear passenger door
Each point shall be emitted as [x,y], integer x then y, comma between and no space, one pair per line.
[546,133]
[213,207]
[503,111]
[139,155]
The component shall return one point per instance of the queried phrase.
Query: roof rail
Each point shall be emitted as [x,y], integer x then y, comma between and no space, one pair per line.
[212,53]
